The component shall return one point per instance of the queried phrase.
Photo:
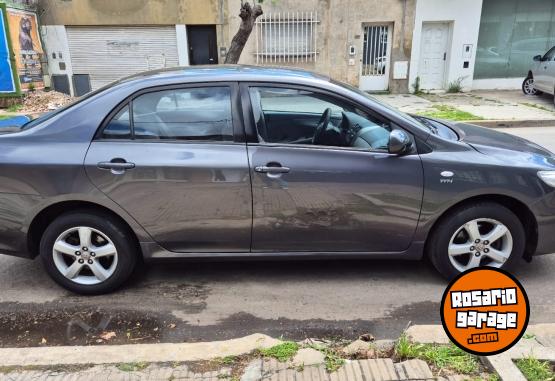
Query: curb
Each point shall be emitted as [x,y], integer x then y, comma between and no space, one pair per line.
[512,123]
[130,353]
[540,347]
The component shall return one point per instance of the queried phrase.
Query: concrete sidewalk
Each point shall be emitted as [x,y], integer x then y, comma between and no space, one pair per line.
[239,360]
[489,108]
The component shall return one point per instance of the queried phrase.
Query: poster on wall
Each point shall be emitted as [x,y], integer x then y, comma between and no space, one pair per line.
[7,84]
[26,47]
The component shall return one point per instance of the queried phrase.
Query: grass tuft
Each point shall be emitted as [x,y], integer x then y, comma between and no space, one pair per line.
[449,113]
[132,366]
[440,356]
[281,352]
[535,370]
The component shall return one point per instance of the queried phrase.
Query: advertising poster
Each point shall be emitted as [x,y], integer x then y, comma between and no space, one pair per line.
[26,46]
[7,84]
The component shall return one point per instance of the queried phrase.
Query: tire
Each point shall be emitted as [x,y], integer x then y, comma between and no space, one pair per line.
[527,87]
[64,244]
[452,246]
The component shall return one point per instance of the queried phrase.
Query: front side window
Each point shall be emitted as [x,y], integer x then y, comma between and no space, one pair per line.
[550,55]
[201,114]
[293,116]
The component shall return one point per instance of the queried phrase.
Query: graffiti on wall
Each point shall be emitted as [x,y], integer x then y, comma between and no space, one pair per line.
[26,46]
[7,84]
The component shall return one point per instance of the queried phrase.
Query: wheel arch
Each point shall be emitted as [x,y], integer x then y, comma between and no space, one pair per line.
[522,212]
[42,219]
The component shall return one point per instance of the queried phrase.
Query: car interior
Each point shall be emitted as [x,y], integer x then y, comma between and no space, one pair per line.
[292,117]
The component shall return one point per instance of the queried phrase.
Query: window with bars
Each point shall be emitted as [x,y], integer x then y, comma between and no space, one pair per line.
[287,37]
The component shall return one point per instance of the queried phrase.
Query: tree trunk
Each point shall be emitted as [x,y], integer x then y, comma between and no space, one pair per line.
[248,16]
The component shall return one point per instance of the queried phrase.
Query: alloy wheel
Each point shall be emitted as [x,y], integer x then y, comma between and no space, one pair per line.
[480,242]
[528,87]
[85,255]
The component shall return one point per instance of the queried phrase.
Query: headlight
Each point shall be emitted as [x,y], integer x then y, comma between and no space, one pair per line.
[548,177]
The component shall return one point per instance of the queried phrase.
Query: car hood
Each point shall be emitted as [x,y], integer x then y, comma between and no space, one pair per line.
[506,147]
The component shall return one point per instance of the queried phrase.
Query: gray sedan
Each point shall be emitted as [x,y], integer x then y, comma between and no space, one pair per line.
[247,162]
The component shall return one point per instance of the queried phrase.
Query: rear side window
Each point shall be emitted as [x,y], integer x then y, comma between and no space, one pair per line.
[119,127]
[184,114]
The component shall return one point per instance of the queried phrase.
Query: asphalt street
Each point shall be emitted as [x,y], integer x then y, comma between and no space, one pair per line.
[197,301]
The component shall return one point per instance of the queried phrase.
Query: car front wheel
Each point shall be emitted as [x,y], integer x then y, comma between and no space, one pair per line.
[528,87]
[484,234]
[88,252]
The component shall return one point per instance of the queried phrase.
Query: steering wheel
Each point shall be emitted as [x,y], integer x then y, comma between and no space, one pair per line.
[322,126]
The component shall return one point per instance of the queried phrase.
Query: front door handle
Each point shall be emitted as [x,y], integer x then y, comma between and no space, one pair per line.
[272,170]
[116,166]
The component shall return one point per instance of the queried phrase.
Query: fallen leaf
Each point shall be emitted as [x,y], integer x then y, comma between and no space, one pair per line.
[108,335]
[172,326]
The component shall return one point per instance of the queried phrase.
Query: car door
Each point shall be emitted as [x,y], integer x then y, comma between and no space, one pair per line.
[338,194]
[175,159]
[543,78]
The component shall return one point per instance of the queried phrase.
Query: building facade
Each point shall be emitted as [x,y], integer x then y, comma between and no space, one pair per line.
[376,45]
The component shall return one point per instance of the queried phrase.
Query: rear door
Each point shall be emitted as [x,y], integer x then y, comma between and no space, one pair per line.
[326,196]
[175,159]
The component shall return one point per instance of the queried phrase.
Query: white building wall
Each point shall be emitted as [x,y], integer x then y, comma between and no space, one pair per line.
[464,17]
[182,44]
[54,38]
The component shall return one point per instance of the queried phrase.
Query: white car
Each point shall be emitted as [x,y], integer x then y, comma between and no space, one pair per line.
[541,77]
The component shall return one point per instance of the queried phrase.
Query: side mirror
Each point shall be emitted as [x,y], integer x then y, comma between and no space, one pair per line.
[538,58]
[399,142]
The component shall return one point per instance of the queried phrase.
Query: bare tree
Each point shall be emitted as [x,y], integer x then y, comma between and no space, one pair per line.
[248,15]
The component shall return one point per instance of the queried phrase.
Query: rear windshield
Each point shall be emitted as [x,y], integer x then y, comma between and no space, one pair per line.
[49,115]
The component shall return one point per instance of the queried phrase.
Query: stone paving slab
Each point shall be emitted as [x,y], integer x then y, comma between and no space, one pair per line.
[258,370]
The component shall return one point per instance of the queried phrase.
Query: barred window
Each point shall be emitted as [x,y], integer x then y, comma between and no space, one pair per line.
[287,37]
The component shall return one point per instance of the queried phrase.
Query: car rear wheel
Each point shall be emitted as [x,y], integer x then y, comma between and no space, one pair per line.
[88,252]
[484,234]
[528,87]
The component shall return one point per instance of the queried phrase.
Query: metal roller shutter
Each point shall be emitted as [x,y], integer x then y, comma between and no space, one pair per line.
[110,53]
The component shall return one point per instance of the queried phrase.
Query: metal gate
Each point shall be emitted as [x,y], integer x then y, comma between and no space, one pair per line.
[376,52]
[109,53]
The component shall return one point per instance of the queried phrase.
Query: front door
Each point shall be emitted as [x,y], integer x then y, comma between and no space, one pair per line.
[433,55]
[175,167]
[203,46]
[544,79]
[376,52]
[322,179]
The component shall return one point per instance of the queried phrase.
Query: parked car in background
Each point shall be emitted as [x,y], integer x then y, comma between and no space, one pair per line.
[541,76]
[246,162]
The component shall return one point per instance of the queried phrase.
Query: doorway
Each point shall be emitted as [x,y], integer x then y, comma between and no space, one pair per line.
[376,52]
[203,46]
[433,55]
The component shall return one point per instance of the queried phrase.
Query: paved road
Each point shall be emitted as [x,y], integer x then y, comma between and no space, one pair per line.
[192,301]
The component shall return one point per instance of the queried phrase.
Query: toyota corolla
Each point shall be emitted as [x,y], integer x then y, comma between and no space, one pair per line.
[245,162]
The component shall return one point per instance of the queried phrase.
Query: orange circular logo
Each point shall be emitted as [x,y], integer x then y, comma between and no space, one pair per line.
[485,311]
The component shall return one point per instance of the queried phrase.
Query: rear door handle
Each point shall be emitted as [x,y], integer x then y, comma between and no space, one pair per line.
[116,166]
[272,170]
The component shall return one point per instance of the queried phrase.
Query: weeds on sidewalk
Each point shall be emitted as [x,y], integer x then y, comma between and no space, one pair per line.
[449,113]
[132,366]
[539,107]
[535,370]
[14,108]
[439,356]
[281,352]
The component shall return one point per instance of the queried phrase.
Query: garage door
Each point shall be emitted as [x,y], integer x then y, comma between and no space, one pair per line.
[110,53]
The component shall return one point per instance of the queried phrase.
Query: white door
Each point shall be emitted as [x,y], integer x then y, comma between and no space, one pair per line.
[433,55]
[108,53]
[376,52]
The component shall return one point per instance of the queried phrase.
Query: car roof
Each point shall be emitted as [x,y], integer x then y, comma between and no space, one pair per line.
[226,73]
